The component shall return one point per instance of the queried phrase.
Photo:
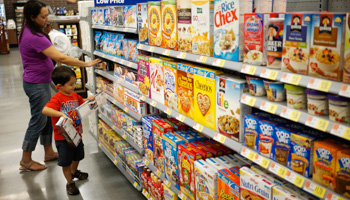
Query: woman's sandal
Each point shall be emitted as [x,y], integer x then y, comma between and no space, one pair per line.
[26,167]
[80,175]
[49,158]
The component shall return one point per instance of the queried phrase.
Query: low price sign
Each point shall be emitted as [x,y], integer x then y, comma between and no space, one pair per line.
[117,2]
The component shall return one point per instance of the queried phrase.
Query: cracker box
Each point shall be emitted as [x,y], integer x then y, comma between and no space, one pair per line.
[300,160]
[184,25]
[154,23]
[170,151]
[346,70]
[143,74]
[282,145]
[142,23]
[206,180]
[130,16]
[228,108]
[253,186]
[228,185]
[186,156]
[157,79]
[159,128]
[343,172]
[202,27]
[325,161]
[251,131]
[327,46]
[204,96]
[148,136]
[168,194]
[178,126]
[170,78]
[133,102]
[226,30]
[296,42]
[185,87]
[169,24]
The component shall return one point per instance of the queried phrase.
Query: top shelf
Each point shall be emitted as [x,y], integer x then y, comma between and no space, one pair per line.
[323,85]
[113,28]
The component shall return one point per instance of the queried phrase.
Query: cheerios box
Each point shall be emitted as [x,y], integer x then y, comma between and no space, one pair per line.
[154,23]
[170,151]
[184,23]
[204,96]
[148,136]
[142,23]
[169,24]
[130,15]
[327,45]
[143,73]
[170,86]
[296,42]
[185,89]
[228,109]
[157,79]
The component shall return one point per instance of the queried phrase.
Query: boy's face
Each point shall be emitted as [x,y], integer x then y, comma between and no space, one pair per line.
[68,87]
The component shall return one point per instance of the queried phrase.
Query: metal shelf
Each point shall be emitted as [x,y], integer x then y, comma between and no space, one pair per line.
[88,53]
[122,134]
[321,123]
[113,28]
[110,76]
[324,85]
[126,174]
[89,87]
[117,60]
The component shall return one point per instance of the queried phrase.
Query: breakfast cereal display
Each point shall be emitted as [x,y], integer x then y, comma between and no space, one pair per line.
[157,79]
[142,22]
[184,25]
[169,24]
[185,89]
[154,23]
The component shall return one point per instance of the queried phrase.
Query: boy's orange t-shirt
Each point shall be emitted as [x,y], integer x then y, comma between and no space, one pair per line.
[67,105]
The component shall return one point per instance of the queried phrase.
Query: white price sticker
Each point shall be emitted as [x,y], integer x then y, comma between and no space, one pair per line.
[248,69]
[290,114]
[166,52]
[319,84]
[274,168]
[167,111]
[181,55]
[317,123]
[220,138]
[114,59]
[198,127]
[140,46]
[180,117]
[294,178]
[167,183]
[150,49]
[291,78]
[260,160]
[202,59]
[218,62]
[341,131]
[245,152]
[345,91]
[269,74]
[317,190]
[250,101]
[332,196]
[153,103]
[143,97]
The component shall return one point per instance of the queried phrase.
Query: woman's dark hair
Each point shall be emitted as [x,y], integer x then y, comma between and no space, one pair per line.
[32,9]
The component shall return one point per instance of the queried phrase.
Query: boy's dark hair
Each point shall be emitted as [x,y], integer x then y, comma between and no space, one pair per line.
[61,75]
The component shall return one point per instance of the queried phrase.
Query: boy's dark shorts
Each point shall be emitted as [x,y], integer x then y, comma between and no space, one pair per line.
[67,153]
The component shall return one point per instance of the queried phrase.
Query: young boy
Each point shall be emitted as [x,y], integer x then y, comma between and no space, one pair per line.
[62,104]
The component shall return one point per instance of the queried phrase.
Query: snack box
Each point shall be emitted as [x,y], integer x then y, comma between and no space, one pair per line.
[148,136]
[133,102]
[254,186]
[184,25]
[227,30]
[251,131]
[160,127]
[296,42]
[200,148]
[185,89]
[342,172]
[202,12]
[178,126]
[228,109]
[154,23]
[282,145]
[143,74]
[209,147]
[120,16]
[228,185]
[300,160]
[267,138]
[142,23]
[217,145]
[204,96]
[107,16]
[168,194]
[94,18]
[157,79]
[206,180]
[118,92]
[169,24]
[327,45]
[130,15]
[185,136]
[197,135]
[186,156]
[170,86]
[346,70]
[133,52]
[170,152]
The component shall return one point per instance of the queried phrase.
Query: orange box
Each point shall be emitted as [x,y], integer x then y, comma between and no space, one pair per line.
[228,184]
[185,89]
[169,24]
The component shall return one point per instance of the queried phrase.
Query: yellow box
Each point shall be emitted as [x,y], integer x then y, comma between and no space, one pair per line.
[154,23]
[204,96]
[169,24]
[168,194]
[185,100]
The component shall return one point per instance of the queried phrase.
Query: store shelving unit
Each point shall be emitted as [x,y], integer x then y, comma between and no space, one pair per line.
[117,60]
[113,28]
[110,76]
[88,53]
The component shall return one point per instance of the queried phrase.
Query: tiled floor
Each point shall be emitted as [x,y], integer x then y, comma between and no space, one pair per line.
[105,180]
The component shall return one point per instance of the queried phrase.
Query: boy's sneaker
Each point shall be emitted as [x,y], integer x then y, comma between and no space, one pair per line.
[80,175]
[72,189]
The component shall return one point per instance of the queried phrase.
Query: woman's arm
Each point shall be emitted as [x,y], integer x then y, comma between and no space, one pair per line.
[54,54]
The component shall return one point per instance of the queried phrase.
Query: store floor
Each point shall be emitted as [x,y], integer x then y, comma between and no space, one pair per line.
[105,180]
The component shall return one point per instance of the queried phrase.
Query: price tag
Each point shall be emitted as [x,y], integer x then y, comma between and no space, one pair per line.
[167,183]
[344,91]
[274,168]
[341,131]
[93,26]
[116,162]
[220,138]
[114,127]
[269,107]
[153,103]
[114,102]
[126,109]
[135,184]
[146,162]
[202,59]
[114,59]
[245,152]
[269,74]
[248,69]
[322,125]
[290,78]
[140,46]
[130,64]
[122,61]
[119,80]
[150,49]
[219,62]
[106,95]
[124,135]
[148,195]
[282,172]
[290,114]
[114,28]
[180,117]
[250,101]
[251,155]
[167,111]
[299,181]
[182,196]
[198,127]
[103,55]
[315,189]
[181,55]
[319,84]
[143,97]
[158,173]
[260,160]
[100,145]
[331,196]
[144,192]
[166,52]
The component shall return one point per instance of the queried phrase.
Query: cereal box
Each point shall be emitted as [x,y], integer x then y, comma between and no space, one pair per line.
[133,102]
[228,185]
[185,100]
[296,42]
[282,145]
[142,23]
[170,78]
[148,136]
[346,70]
[204,96]
[208,147]
[327,46]
[159,128]
[170,151]
[185,136]
[206,180]
[343,172]
[178,126]
[168,194]
[130,16]
[143,74]
[200,148]
[325,161]
[169,24]
[251,131]
[274,42]
[157,79]
[228,108]
[184,25]
[281,193]
[154,23]
[226,30]
[202,12]
[300,160]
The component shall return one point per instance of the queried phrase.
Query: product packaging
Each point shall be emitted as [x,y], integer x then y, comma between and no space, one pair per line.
[157,79]
[142,23]
[169,24]
[154,23]
[170,86]
[185,89]
[184,24]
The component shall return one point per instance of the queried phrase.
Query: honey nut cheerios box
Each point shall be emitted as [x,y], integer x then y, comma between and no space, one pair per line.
[343,172]
[154,23]
[142,22]
[130,16]
[202,27]
[157,79]
[169,24]
[204,96]
[170,88]
[143,73]
[184,25]
[185,89]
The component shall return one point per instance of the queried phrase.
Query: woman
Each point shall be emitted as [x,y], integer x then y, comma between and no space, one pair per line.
[36,52]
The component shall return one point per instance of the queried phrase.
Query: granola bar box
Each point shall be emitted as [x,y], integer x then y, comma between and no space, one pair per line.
[169,24]
[170,87]
[143,74]
[184,25]
[133,102]
[142,23]
[327,46]
[185,81]
[157,79]
[346,70]
[154,23]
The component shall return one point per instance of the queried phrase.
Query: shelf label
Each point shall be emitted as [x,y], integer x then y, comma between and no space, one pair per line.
[100,145]
[114,127]
[182,196]
[153,103]
[180,117]
[144,192]
[114,59]
[248,69]
[93,26]
[290,114]
[317,123]
[202,59]
[106,96]
[148,195]
[119,80]
[220,138]
[345,90]
[269,74]
[143,97]
[150,49]
[122,62]
[130,64]
[114,101]
[146,162]
[291,78]
[167,183]
[341,131]
[274,168]
[250,101]
[219,62]
[282,172]
[319,84]
[115,162]
[198,127]
[181,55]
[103,55]
[269,107]
[140,46]
[260,160]
[114,28]
[166,52]
[167,111]
[251,155]
[315,189]
[126,109]
[158,173]
[331,196]
[245,151]
[135,184]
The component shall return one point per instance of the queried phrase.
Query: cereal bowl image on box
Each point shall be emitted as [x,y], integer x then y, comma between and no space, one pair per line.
[275,91]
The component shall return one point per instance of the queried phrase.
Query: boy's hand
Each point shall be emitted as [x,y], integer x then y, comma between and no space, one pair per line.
[91,98]
[70,120]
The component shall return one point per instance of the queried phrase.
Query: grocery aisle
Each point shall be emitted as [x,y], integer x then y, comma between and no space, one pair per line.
[105,180]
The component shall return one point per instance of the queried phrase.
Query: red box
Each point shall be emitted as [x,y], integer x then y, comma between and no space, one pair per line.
[201,148]
[219,146]
[178,126]
[209,147]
